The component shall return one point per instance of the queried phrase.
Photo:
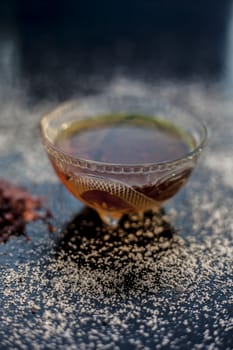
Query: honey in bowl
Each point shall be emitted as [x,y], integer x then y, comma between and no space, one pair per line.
[126,140]
[123,154]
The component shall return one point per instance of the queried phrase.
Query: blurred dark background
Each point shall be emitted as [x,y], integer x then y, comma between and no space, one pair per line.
[57,48]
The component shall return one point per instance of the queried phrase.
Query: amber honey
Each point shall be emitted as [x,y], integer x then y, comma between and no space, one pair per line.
[124,140]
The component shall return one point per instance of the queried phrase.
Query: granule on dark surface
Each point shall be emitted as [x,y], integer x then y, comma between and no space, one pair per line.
[17,208]
[161,282]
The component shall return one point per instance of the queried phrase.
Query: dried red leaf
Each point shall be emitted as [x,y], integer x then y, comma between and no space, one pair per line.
[17,208]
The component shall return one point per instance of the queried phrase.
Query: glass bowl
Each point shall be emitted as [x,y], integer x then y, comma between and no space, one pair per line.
[117,188]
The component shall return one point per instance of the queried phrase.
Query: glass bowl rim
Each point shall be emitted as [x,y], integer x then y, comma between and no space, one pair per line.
[120,167]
